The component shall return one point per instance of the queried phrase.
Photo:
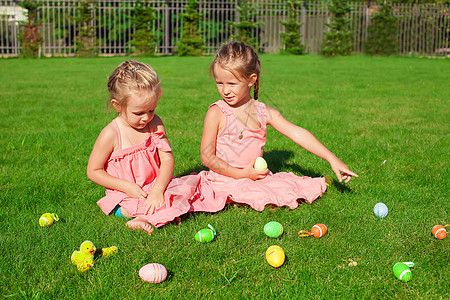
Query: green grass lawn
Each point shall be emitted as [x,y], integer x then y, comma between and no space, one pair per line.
[386,118]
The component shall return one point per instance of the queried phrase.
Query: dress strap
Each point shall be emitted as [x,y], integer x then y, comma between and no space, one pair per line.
[118,133]
[223,107]
[262,113]
[262,108]
[156,139]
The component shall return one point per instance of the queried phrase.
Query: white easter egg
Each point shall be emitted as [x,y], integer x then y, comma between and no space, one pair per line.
[380,210]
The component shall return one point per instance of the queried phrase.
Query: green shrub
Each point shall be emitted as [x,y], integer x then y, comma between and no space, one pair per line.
[381,32]
[30,37]
[292,39]
[191,43]
[247,30]
[338,39]
[85,39]
[144,41]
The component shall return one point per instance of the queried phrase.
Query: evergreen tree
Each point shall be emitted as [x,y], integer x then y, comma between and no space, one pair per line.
[292,39]
[85,39]
[191,42]
[338,39]
[143,39]
[247,30]
[381,32]
[29,36]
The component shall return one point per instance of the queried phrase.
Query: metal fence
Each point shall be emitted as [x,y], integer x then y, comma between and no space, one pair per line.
[422,29]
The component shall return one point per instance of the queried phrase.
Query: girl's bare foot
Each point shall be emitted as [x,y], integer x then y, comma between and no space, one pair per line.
[139,223]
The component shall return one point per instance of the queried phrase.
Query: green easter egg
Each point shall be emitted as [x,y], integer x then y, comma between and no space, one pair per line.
[205,235]
[273,229]
[402,271]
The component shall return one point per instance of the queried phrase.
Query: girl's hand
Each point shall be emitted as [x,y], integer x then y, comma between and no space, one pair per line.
[250,172]
[133,190]
[154,201]
[342,171]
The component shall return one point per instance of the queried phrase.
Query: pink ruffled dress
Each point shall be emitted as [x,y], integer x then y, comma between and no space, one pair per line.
[280,189]
[141,164]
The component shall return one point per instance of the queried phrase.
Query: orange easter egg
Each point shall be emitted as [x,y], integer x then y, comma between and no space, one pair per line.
[319,230]
[439,232]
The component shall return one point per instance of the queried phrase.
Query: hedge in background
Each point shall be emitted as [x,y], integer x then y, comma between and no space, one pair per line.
[382,31]
[191,43]
[29,35]
[144,40]
[292,39]
[338,39]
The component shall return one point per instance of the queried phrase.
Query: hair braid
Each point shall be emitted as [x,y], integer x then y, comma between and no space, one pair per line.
[256,89]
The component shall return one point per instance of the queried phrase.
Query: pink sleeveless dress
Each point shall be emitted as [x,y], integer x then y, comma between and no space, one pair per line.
[280,189]
[140,164]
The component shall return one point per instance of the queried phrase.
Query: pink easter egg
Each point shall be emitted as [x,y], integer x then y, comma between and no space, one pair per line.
[153,273]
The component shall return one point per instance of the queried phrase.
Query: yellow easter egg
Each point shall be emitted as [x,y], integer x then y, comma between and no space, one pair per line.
[46,220]
[275,256]
[260,164]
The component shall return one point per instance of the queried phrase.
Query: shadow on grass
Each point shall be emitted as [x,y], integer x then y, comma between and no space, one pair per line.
[277,160]
[196,169]
[193,214]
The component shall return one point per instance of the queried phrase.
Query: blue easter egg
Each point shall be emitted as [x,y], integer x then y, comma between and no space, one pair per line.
[380,210]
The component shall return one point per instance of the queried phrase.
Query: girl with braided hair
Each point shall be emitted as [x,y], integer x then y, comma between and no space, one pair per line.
[132,157]
[234,135]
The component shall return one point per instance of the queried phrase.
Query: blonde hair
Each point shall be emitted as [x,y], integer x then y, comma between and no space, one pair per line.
[129,77]
[241,60]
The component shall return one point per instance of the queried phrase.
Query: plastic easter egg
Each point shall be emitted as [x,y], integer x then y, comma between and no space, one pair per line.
[402,271]
[273,229]
[439,232]
[319,230]
[205,235]
[48,219]
[380,210]
[153,273]
[328,180]
[260,164]
[275,256]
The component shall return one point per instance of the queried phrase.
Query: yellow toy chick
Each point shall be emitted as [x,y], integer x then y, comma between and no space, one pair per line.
[86,264]
[84,258]
[109,251]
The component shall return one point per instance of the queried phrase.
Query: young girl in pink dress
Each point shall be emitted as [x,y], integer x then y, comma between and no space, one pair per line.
[234,135]
[132,157]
